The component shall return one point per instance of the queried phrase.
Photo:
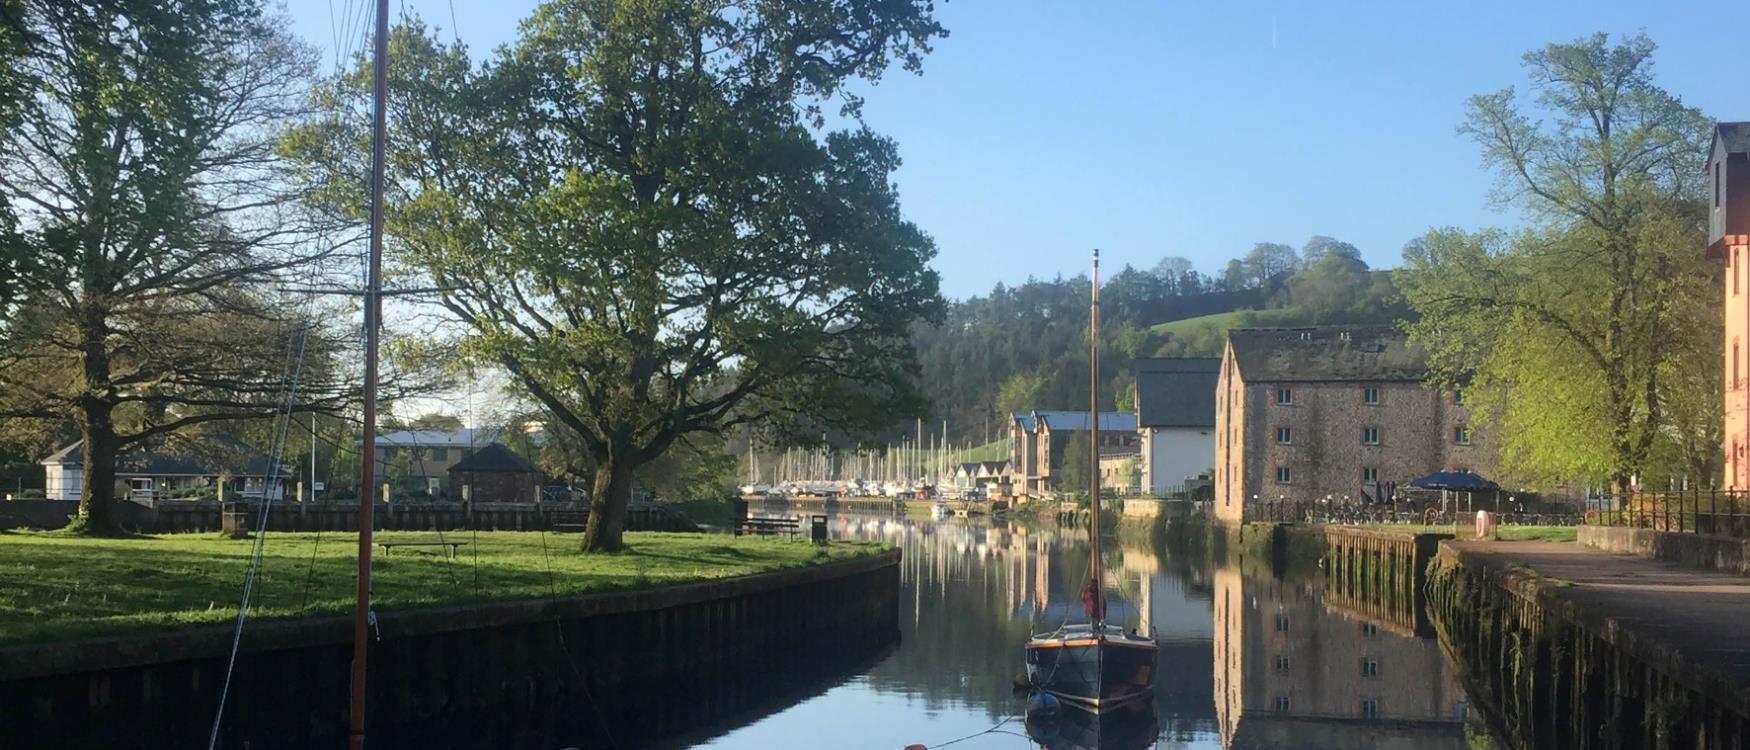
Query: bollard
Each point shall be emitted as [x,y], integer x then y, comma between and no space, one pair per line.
[1486,523]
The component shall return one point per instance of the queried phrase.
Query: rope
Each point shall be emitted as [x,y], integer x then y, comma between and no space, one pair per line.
[294,378]
[996,729]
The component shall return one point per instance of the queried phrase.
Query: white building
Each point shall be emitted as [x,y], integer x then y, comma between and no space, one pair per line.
[1175,415]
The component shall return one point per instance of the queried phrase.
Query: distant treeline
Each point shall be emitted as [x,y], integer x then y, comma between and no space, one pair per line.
[1026,347]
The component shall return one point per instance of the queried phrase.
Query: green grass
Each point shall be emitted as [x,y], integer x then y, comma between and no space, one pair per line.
[54,586]
[1504,533]
[995,450]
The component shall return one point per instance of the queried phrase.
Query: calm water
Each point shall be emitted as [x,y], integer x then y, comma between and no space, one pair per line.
[1247,660]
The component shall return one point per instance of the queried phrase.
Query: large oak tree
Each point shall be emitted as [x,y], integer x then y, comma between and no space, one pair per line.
[635,210]
[152,223]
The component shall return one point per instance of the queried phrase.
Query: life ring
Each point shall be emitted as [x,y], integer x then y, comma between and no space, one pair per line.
[1428,514]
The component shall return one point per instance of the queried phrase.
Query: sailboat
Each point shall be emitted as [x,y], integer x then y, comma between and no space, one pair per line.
[1094,664]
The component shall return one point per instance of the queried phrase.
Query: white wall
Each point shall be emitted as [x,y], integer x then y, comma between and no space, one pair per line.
[1176,454]
[62,482]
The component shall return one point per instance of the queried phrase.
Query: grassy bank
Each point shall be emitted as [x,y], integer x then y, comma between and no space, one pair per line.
[55,587]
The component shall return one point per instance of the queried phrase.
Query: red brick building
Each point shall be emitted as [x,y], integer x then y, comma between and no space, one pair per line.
[1728,167]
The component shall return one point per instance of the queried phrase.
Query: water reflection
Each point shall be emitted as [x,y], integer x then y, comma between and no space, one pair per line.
[1248,659]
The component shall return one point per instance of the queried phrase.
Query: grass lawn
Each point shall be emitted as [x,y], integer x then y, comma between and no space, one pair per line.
[1504,533]
[54,586]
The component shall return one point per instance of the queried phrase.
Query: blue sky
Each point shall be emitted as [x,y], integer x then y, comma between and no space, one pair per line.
[1148,128]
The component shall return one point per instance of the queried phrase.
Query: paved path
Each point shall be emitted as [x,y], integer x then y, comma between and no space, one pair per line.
[1703,617]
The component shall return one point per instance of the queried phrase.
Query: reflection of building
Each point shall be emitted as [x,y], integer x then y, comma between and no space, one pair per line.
[1304,414]
[1291,673]
[1039,440]
[1728,237]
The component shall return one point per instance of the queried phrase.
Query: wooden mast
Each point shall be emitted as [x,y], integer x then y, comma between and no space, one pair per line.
[1099,615]
[361,622]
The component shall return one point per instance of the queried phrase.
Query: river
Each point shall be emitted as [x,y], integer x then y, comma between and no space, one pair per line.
[1249,658]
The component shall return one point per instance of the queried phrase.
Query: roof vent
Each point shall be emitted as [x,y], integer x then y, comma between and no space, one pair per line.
[1306,335]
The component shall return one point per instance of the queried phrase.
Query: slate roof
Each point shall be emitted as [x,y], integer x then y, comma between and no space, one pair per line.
[1176,391]
[1736,135]
[1110,421]
[211,457]
[1328,354]
[495,459]
[1026,420]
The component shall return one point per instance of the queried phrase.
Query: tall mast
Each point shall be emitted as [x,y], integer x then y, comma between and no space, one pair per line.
[1094,449]
[373,321]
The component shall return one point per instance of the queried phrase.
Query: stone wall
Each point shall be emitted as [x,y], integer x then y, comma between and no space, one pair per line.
[635,666]
[1701,551]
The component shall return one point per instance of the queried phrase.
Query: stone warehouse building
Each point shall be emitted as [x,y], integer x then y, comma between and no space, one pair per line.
[1038,439]
[1304,414]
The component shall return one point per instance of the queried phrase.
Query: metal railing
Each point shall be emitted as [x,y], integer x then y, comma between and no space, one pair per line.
[1723,512]
[1352,514]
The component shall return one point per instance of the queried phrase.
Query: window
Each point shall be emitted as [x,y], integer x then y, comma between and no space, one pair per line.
[1458,398]
[1370,436]
[1369,474]
[1369,707]
[1369,666]
[1281,663]
[1281,622]
[440,454]
[1734,383]
[1370,396]
[1281,703]
[1284,435]
[1284,475]
[1284,396]
[1369,630]
[389,452]
[1461,435]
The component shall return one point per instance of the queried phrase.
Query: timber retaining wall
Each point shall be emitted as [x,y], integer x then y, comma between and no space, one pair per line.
[1550,675]
[1381,574]
[633,666]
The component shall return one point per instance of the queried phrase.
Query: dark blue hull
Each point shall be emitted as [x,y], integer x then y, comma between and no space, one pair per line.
[1097,672]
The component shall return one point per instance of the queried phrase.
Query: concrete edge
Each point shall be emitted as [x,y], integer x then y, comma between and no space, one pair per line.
[1720,554]
[36,660]
[1525,583]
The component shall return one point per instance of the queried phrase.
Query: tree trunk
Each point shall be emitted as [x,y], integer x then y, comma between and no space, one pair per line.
[607,506]
[97,426]
[97,493]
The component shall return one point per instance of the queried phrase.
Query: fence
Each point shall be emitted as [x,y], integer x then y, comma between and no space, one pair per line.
[1722,512]
[1352,514]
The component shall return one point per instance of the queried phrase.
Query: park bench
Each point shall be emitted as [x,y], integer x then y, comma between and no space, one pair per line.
[568,520]
[768,526]
[450,547]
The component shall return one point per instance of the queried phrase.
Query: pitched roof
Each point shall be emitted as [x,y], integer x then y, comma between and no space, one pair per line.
[1329,354]
[437,438]
[1110,421]
[495,459]
[1735,134]
[1176,391]
[210,457]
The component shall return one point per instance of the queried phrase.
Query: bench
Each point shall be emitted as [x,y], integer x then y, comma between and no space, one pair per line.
[450,547]
[768,526]
[568,520]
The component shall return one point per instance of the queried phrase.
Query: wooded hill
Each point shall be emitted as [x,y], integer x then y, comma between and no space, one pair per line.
[1026,347]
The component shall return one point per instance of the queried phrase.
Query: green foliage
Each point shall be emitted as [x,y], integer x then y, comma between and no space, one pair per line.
[54,586]
[153,221]
[632,212]
[1583,338]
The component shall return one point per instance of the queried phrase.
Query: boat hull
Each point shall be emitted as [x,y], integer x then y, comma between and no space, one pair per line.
[1092,671]
[1130,725]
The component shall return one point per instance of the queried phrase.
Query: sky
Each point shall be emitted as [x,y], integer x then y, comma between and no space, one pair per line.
[1041,129]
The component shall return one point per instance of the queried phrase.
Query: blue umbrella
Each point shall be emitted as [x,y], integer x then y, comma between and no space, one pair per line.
[1461,481]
